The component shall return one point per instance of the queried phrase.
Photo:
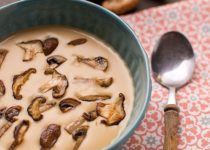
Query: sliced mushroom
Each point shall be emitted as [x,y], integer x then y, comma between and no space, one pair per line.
[31,48]
[120,6]
[9,115]
[12,112]
[90,98]
[2,111]
[99,63]
[106,82]
[90,116]
[19,133]
[33,108]
[79,135]
[50,136]
[19,81]
[49,45]
[2,88]
[113,113]
[54,62]
[4,128]
[38,106]
[3,54]
[68,104]
[58,84]
[74,125]
[77,42]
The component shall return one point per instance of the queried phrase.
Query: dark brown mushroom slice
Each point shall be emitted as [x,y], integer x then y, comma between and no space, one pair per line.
[54,62]
[2,88]
[96,97]
[4,128]
[74,125]
[90,116]
[19,81]
[19,133]
[49,45]
[12,112]
[34,108]
[2,111]
[76,42]
[31,48]
[3,54]
[68,104]
[38,106]
[105,82]
[113,113]
[99,63]
[58,84]
[50,136]
[79,135]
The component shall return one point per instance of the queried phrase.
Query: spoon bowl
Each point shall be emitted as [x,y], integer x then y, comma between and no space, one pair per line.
[173,60]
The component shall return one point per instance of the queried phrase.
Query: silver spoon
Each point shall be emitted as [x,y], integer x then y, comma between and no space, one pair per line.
[173,62]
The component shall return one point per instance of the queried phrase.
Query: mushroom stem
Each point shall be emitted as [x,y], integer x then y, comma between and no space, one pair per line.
[3,53]
[96,97]
[105,82]
[47,106]
[19,134]
[74,125]
[4,128]
[79,135]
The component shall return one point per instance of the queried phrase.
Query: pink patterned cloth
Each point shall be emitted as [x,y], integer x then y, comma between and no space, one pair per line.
[192,18]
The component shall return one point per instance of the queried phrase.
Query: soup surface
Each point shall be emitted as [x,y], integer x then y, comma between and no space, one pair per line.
[82,82]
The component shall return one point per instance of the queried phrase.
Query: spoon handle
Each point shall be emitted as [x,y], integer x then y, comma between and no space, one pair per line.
[171,120]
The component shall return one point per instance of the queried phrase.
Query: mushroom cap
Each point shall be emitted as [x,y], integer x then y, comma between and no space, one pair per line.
[12,112]
[68,104]
[49,45]
[54,62]
[76,42]
[50,136]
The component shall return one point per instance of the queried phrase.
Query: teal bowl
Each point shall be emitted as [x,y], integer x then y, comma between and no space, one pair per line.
[98,21]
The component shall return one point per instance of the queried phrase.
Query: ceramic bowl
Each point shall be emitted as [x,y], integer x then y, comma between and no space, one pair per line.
[98,21]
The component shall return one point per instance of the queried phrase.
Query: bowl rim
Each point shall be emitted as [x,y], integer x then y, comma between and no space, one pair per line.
[120,139]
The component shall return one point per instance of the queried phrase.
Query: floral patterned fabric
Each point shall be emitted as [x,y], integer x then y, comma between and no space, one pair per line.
[192,18]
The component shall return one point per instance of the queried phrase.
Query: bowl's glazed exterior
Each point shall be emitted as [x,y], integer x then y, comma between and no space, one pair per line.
[97,21]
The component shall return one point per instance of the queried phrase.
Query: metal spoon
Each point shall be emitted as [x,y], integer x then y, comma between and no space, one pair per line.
[173,62]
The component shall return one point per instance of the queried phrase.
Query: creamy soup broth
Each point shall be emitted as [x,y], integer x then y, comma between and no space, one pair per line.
[98,135]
